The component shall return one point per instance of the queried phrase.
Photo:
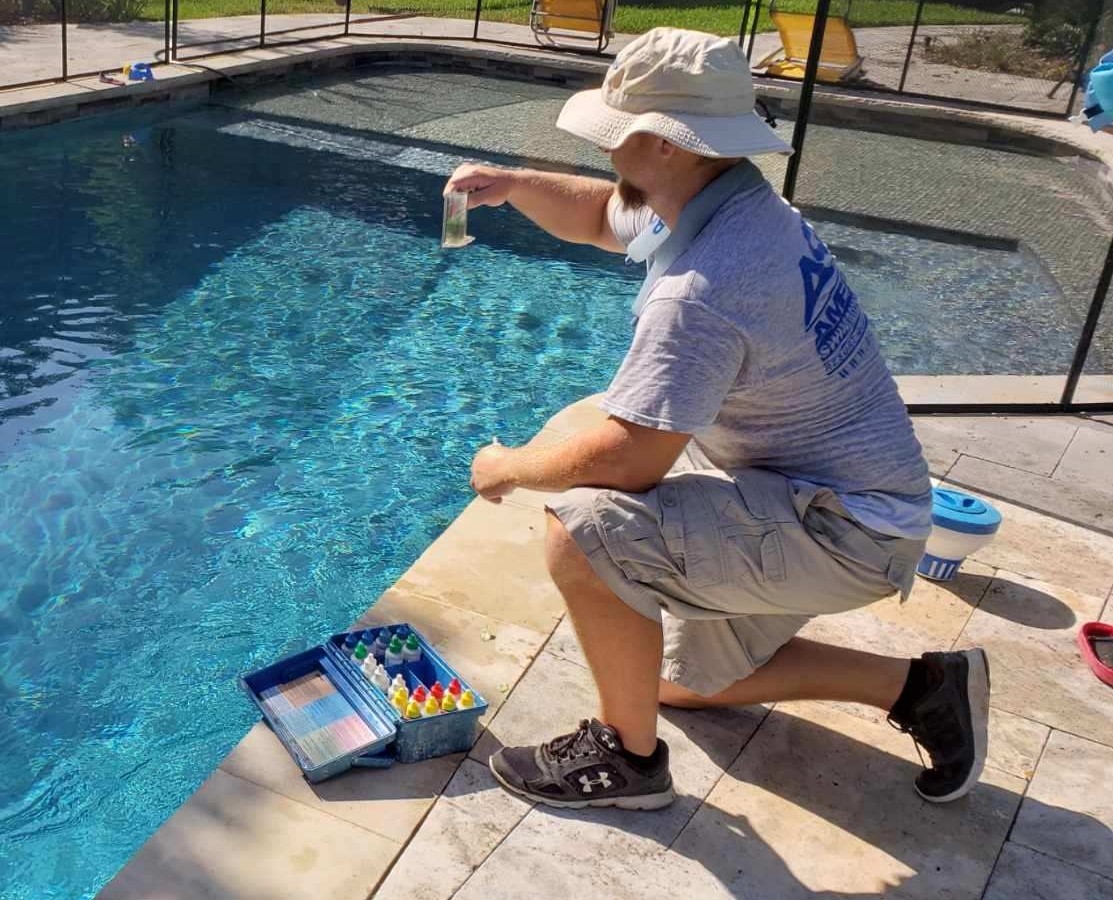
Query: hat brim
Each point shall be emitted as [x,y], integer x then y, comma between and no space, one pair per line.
[587,116]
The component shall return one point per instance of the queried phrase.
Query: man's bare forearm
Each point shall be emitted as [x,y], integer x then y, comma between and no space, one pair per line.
[570,207]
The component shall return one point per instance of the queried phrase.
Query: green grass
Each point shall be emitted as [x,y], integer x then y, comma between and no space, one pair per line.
[633,16]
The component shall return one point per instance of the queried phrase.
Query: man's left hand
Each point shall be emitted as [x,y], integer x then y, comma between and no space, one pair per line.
[490,472]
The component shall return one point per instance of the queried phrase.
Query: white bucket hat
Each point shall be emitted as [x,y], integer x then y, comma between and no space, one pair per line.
[690,88]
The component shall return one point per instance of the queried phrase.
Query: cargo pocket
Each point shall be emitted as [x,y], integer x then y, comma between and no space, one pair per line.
[631,530]
[754,553]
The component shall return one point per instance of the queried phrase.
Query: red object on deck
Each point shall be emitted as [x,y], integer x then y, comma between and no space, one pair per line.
[419,693]
[437,691]
[454,688]
[1086,634]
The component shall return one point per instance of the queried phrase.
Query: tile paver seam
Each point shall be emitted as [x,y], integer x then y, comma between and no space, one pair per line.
[413,833]
[1016,814]
[414,592]
[722,774]
[1059,859]
[1107,606]
[316,809]
[1066,449]
[974,607]
[1059,728]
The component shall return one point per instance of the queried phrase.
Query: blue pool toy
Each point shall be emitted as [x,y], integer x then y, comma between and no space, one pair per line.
[1097,104]
[960,525]
[139,71]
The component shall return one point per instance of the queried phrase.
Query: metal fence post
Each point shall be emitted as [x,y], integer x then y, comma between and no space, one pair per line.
[1081,62]
[744,23]
[166,32]
[65,49]
[753,30]
[804,109]
[478,10]
[1082,348]
[911,46]
[174,33]
[262,23]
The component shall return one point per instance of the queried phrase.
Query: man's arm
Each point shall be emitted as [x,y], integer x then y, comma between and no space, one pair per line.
[615,454]
[570,207]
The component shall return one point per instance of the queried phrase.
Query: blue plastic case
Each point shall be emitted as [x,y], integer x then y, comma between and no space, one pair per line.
[394,738]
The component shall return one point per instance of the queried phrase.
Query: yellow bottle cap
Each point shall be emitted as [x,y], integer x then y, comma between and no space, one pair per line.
[467,700]
[432,707]
[413,711]
[401,692]
[448,704]
[400,704]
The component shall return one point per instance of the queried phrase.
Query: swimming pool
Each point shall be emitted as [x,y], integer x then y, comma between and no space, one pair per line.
[240,386]
[241,389]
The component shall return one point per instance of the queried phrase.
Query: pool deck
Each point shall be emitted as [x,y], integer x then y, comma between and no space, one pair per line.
[782,801]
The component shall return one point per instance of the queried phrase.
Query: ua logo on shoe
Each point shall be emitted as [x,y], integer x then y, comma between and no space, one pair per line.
[587,784]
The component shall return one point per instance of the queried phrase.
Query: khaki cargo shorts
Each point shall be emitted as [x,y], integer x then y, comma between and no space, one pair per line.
[732,564]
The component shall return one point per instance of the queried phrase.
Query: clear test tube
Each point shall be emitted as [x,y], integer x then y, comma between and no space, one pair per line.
[454,225]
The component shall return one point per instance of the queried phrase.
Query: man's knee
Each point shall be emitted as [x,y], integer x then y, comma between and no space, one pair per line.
[669,694]
[562,554]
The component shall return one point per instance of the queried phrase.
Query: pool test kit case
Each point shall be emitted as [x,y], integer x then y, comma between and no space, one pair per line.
[330,717]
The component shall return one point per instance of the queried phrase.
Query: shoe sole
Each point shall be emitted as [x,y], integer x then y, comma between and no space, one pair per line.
[642,801]
[977,692]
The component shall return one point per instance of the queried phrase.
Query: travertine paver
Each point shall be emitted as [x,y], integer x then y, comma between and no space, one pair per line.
[469,821]
[1068,811]
[1028,628]
[567,854]
[1033,444]
[1041,547]
[820,801]
[235,839]
[1084,501]
[390,805]
[491,538]
[1023,874]
[1089,458]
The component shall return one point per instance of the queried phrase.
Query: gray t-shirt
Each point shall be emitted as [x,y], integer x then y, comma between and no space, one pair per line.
[752,342]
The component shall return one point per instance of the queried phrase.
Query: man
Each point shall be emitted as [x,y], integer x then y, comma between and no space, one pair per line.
[757,467]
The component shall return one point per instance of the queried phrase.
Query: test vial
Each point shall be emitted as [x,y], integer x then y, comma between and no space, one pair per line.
[454,225]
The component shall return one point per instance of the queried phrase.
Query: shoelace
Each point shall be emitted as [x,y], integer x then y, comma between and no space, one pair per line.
[570,746]
[937,730]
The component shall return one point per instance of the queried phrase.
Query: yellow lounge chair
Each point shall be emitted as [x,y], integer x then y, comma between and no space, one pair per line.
[553,21]
[839,59]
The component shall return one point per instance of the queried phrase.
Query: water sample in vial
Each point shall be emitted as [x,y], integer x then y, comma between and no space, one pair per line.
[454,225]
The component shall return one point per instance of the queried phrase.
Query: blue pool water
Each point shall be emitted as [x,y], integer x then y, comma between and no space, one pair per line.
[240,386]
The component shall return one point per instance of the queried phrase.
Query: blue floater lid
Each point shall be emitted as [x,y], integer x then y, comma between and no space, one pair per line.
[963,513]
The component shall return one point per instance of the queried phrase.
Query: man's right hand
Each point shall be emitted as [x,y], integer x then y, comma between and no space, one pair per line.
[484,185]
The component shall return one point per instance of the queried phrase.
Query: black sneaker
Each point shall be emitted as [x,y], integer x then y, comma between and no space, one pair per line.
[585,768]
[950,722]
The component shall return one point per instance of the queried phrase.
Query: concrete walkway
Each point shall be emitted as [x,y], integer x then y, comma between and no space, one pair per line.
[786,801]
[33,52]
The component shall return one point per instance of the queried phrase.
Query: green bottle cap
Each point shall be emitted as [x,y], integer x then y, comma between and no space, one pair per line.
[396,644]
[360,652]
[411,642]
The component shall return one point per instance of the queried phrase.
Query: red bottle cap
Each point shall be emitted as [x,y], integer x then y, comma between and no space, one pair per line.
[419,693]
[454,688]
[437,691]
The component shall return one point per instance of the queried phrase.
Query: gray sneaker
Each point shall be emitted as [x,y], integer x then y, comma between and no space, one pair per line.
[585,768]
[950,721]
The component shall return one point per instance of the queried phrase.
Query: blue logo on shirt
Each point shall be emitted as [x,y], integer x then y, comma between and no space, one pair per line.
[831,311]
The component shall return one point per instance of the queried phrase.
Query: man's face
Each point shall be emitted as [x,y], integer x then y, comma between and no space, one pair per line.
[632,161]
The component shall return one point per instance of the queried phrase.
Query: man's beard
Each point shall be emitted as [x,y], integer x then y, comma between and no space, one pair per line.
[631,197]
